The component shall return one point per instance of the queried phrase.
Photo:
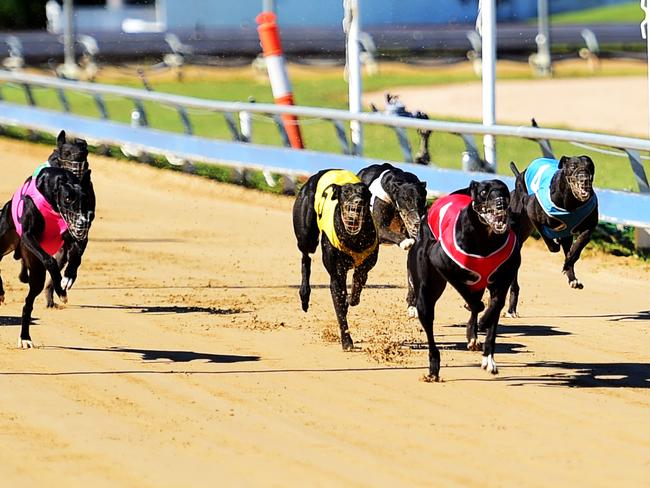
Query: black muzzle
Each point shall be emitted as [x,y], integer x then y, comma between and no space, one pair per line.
[78,223]
[411,219]
[581,184]
[493,213]
[352,214]
[77,168]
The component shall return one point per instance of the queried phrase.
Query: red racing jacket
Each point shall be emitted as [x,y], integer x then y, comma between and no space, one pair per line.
[443,218]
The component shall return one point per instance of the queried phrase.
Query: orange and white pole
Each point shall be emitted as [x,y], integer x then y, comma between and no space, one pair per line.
[280,85]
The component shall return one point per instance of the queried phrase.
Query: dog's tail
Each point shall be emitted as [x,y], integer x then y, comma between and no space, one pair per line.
[514,169]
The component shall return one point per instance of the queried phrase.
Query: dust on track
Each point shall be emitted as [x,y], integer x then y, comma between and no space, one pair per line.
[183,358]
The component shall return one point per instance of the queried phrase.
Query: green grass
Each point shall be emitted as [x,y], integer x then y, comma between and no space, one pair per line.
[324,88]
[629,12]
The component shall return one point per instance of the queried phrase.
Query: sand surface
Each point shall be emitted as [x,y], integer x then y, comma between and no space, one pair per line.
[183,359]
[613,105]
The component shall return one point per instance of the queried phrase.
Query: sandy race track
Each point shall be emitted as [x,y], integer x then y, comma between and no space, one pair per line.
[183,359]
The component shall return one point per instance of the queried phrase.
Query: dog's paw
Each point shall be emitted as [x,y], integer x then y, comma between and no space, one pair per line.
[488,364]
[25,344]
[412,312]
[429,378]
[406,244]
[66,283]
[474,345]
[354,301]
[2,299]
[511,315]
[346,342]
[64,298]
[576,284]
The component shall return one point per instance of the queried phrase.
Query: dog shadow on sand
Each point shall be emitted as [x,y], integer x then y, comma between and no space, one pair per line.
[166,356]
[6,321]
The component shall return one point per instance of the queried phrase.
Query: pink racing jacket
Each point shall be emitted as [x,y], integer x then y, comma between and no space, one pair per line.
[51,239]
[443,217]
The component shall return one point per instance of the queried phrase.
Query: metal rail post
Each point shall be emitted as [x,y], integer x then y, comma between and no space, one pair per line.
[352,15]
[489,55]
[69,69]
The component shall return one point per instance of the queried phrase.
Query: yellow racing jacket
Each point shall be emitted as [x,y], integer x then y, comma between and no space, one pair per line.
[325,206]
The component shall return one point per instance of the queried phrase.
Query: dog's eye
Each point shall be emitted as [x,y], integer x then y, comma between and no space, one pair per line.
[484,193]
[67,199]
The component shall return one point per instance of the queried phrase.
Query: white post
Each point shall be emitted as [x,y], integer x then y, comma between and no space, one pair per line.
[543,39]
[354,73]
[489,55]
[69,69]
[268,6]
[68,36]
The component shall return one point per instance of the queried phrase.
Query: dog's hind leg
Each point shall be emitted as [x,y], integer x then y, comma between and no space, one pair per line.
[36,284]
[429,288]
[475,305]
[306,230]
[514,298]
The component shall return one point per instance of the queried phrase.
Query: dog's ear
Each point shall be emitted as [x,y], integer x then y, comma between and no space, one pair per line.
[473,189]
[423,185]
[563,160]
[336,192]
[85,179]
[60,139]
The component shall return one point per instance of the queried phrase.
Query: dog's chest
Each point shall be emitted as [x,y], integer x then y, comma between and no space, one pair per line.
[443,220]
[561,222]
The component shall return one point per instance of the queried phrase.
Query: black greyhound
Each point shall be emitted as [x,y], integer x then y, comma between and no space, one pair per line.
[73,156]
[334,205]
[557,199]
[48,210]
[398,202]
[466,240]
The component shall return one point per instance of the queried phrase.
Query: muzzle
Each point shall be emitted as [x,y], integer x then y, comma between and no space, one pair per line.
[77,168]
[493,213]
[580,183]
[411,219]
[352,213]
[78,223]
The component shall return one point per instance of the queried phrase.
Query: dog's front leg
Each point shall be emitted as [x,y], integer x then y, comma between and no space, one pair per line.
[572,250]
[360,277]
[60,258]
[489,321]
[339,298]
[384,214]
[73,257]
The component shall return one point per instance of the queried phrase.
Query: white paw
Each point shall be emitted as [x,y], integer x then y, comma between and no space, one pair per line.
[513,315]
[406,244]
[23,344]
[576,284]
[489,365]
[412,312]
[66,283]
[474,345]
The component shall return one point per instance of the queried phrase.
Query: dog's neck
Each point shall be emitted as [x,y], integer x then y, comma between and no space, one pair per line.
[361,241]
[561,194]
[481,239]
